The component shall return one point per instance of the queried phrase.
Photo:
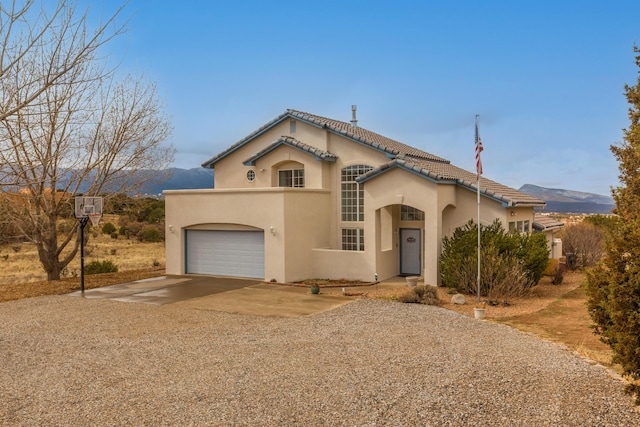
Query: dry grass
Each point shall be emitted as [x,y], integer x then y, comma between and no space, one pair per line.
[19,262]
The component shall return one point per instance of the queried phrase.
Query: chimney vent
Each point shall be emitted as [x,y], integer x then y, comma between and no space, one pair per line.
[354,120]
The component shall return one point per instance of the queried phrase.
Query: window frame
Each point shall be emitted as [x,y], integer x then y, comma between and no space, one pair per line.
[294,180]
[352,193]
[406,212]
[352,239]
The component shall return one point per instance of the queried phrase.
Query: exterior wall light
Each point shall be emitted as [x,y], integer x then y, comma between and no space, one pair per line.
[272,229]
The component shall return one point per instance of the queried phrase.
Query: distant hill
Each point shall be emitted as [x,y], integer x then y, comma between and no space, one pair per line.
[184,179]
[569,201]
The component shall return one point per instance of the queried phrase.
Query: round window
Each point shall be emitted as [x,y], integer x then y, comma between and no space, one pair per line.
[251,175]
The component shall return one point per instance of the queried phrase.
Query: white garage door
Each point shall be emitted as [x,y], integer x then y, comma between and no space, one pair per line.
[225,253]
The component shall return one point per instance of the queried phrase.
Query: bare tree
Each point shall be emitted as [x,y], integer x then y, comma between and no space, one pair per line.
[583,244]
[28,32]
[89,131]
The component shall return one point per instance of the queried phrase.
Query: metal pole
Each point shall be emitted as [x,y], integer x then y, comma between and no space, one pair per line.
[478,188]
[478,239]
[82,223]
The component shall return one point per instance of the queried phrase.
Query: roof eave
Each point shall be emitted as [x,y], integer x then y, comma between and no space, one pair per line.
[327,157]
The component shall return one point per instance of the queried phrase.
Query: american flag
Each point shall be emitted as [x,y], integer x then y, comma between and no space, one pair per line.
[479,149]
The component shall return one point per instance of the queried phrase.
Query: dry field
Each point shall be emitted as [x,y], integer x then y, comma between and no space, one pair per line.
[19,262]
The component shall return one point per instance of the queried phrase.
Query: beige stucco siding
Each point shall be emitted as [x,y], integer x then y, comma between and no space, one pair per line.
[231,173]
[305,229]
[466,208]
[261,209]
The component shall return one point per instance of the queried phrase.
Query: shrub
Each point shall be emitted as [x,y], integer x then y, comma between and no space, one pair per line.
[114,235]
[113,251]
[421,294]
[511,262]
[108,228]
[99,267]
[613,285]
[558,275]
[149,233]
[132,229]
[122,230]
[551,267]
[155,263]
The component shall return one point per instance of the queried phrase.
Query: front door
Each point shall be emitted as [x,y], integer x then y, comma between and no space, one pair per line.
[410,251]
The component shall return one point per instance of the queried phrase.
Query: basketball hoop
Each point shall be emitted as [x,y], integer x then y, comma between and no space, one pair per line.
[95,218]
[86,208]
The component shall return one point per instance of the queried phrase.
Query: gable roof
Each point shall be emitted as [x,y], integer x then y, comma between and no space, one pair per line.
[294,143]
[403,156]
[446,173]
[376,141]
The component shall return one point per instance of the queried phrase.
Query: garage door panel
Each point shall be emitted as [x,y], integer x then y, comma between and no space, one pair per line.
[225,253]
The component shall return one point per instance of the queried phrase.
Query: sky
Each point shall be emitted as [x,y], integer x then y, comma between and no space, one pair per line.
[546,77]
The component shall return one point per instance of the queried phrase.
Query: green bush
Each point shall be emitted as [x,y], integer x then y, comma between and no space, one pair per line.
[108,228]
[421,294]
[149,233]
[99,267]
[114,235]
[510,262]
[613,285]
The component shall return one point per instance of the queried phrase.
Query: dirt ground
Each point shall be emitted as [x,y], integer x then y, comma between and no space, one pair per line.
[554,312]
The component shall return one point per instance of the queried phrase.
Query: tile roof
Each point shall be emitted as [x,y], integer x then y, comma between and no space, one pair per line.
[372,139]
[404,156]
[292,142]
[545,222]
[448,173]
[366,136]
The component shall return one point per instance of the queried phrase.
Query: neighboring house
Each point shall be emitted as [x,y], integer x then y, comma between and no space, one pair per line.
[305,197]
[549,226]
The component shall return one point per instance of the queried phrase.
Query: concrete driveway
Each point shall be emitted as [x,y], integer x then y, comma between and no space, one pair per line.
[231,295]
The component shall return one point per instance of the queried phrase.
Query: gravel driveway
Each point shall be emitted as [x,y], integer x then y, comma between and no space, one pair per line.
[73,361]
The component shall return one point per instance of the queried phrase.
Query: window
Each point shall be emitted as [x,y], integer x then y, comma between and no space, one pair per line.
[352,195]
[292,126]
[251,175]
[408,213]
[352,239]
[519,226]
[291,178]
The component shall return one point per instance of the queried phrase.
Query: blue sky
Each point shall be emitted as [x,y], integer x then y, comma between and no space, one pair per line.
[546,77]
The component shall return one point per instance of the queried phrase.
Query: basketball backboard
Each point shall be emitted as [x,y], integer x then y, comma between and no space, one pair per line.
[87,207]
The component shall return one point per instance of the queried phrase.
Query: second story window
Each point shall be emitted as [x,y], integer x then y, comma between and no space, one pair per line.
[352,195]
[291,178]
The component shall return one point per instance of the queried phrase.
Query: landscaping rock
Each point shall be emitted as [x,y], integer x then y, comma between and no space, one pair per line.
[458,299]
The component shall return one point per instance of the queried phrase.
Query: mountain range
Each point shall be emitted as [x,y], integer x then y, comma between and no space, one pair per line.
[558,200]
[569,201]
[183,179]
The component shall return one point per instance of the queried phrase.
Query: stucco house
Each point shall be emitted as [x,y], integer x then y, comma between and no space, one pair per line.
[306,196]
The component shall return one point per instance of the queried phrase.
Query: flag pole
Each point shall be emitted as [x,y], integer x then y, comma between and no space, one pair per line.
[478,173]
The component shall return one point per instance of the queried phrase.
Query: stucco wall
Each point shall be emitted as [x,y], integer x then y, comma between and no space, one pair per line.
[231,173]
[261,209]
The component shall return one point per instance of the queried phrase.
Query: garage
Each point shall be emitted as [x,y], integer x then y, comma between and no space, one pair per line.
[225,253]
